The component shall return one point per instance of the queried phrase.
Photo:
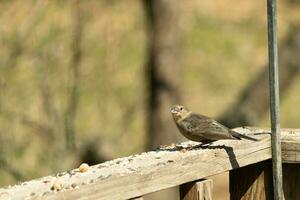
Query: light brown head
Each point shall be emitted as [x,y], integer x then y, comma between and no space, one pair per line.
[179,112]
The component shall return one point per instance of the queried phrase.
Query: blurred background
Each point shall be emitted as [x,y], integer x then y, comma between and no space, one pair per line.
[93,80]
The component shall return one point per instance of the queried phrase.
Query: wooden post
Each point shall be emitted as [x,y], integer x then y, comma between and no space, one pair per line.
[252,182]
[255,182]
[197,190]
[291,181]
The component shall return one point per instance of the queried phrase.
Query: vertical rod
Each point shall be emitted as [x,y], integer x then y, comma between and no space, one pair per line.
[274,99]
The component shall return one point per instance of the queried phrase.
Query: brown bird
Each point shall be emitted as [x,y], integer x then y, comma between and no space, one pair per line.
[201,128]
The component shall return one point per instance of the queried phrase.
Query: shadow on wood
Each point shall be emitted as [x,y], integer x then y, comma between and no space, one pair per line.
[255,181]
[291,181]
[252,182]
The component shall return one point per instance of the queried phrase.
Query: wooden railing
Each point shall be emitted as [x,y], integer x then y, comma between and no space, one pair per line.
[134,176]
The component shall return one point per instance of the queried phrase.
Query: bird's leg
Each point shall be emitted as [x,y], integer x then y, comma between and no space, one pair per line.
[194,147]
[204,143]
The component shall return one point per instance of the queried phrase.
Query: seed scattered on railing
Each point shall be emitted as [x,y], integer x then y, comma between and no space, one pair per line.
[57,185]
[46,181]
[83,167]
[118,162]
[61,174]
[183,150]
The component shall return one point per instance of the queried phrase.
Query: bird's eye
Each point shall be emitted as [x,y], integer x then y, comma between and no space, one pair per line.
[181,108]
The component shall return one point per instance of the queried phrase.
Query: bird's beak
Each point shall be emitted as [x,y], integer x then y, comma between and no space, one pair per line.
[173,110]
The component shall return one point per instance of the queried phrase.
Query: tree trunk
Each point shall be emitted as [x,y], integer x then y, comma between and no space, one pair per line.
[71,110]
[162,70]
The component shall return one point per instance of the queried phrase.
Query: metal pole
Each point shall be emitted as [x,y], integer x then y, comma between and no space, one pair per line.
[274,100]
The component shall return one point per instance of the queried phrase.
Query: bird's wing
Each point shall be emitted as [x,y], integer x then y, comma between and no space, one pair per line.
[206,127]
[192,123]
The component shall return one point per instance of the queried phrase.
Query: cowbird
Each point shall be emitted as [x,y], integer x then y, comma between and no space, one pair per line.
[201,128]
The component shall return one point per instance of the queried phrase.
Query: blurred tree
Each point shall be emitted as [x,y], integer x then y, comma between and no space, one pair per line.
[15,43]
[13,171]
[72,105]
[162,69]
[254,98]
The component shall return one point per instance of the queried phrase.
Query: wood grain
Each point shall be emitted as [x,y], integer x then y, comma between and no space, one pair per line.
[197,190]
[169,166]
[291,181]
[255,181]
[252,182]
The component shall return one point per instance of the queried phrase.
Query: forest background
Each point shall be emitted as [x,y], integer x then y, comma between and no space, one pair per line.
[89,81]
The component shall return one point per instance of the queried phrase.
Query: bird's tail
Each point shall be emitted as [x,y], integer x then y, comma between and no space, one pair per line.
[240,136]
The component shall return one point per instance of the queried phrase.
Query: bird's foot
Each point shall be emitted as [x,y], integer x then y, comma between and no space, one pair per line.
[202,145]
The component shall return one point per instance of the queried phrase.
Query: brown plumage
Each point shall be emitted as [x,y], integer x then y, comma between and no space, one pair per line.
[201,128]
